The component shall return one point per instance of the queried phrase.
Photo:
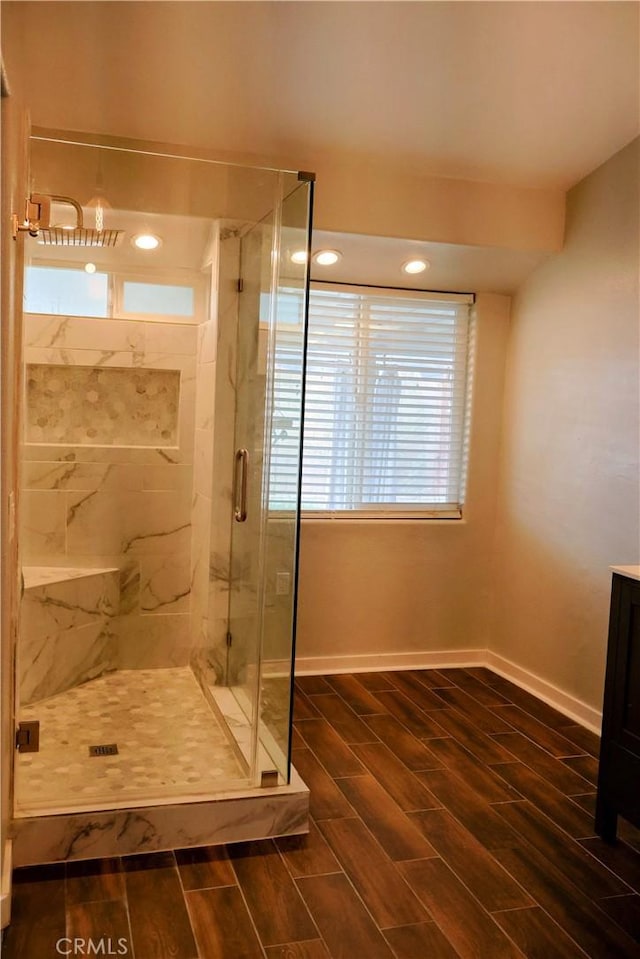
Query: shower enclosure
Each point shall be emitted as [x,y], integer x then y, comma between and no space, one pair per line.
[163,361]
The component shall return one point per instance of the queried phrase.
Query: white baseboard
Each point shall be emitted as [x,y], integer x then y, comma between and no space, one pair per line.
[571,707]
[5,885]
[380,662]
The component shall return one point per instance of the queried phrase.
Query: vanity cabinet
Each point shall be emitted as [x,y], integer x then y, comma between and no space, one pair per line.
[619,773]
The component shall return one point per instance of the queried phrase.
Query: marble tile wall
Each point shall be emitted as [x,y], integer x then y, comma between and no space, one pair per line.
[119,506]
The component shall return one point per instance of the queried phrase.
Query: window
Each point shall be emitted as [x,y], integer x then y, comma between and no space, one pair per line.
[386,403]
[157,299]
[67,292]
[111,293]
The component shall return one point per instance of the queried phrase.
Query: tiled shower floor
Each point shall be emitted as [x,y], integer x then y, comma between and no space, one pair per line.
[170,743]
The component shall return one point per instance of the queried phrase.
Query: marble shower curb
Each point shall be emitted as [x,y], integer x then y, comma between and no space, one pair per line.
[253,814]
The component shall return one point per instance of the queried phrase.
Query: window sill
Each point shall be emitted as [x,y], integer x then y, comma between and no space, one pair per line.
[449,517]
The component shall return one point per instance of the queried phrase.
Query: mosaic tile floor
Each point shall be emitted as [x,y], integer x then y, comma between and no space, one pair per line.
[169,741]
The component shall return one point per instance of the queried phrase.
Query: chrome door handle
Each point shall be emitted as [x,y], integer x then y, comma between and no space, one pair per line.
[240,509]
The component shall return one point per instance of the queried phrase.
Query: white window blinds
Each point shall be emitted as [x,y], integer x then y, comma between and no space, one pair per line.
[386,402]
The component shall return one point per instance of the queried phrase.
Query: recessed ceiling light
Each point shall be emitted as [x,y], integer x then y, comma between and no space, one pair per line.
[415,266]
[89,268]
[298,256]
[146,241]
[327,257]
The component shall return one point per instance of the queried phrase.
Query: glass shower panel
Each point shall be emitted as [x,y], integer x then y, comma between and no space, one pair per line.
[285,390]
[269,375]
[247,480]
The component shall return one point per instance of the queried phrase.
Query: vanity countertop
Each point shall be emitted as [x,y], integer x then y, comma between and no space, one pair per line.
[632,572]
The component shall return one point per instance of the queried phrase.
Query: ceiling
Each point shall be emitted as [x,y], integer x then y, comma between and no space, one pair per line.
[528,93]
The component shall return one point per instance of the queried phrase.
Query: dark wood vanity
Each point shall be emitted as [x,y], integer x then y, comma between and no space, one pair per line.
[619,774]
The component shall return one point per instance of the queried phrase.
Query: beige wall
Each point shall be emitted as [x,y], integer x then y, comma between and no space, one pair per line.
[393,587]
[569,498]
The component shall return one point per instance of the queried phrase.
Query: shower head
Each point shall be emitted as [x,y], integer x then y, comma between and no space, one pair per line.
[80,236]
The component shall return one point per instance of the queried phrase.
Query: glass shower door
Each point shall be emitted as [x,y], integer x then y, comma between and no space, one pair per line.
[269,382]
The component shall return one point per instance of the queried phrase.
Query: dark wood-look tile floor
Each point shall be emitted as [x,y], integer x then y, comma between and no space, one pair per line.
[452,818]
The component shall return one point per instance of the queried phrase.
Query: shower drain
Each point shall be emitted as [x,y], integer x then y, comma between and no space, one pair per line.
[109,749]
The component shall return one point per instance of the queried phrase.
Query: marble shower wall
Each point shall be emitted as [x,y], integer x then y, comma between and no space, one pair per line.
[124,506]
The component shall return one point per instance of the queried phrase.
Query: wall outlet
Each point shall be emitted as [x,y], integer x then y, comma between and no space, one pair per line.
[283,584]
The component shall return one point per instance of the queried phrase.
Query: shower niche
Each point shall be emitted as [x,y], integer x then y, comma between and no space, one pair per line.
[163,366]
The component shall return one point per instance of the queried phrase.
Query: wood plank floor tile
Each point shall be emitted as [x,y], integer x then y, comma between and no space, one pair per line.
[580,918]
[106,921]
[297,742]
[484,694]
[589,875]
[474,813]
[343,719]
[555,771]
[420,941]
[375,877]
[344,923]
[625,910]
[414,688]
[586,801]
[325,799]
[582,737]
[403,744]
[554,804]
[467,926]
[312,685]
[482,718]
[471,862]
[537,935]
[272,897]
[401,784]
[541,734]
[421,724]
[397,835]
[307,855]
[159,921]
[355,695]
[331,750]
[458,676]
[222,925]
[530,704]
[303,708]
[38,918]
[205,867]
[373,682]
[315,949]
[483,747]
[482,779]
[433,678]
[585,766]
[620,858]
[93,879]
